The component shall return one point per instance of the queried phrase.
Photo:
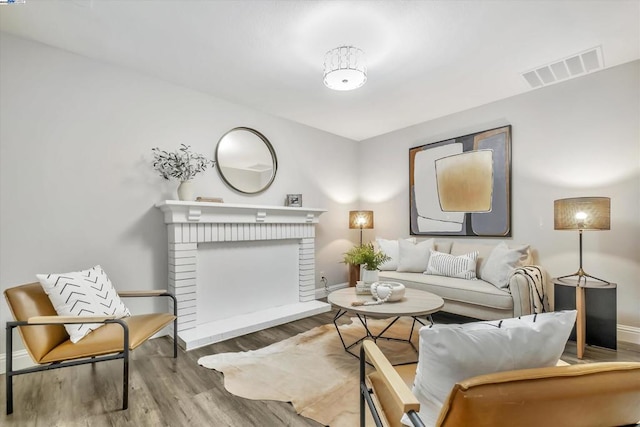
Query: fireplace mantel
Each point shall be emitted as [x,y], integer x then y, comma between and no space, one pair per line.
[190,224]
[233,213]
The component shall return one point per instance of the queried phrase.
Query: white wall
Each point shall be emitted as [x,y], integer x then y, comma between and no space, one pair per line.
[577,138]
[77,188]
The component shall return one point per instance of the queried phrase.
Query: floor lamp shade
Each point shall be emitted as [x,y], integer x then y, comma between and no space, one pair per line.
[361,220]
[582,213]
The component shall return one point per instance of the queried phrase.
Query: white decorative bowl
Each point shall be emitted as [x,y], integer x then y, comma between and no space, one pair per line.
[383,289]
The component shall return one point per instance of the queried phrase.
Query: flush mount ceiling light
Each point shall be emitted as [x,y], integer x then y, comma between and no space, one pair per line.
[344,68]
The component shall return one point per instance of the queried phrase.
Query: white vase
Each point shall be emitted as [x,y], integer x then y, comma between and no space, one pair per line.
[185,191]
[369,276]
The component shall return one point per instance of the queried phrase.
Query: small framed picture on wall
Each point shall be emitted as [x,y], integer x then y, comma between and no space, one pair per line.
[294,200]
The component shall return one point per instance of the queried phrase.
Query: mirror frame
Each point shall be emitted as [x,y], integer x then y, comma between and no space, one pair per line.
[266,142]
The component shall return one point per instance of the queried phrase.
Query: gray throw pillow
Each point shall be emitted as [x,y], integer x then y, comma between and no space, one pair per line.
[414,258]
[500,264]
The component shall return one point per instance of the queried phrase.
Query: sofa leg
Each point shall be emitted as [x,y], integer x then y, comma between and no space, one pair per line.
[9,369]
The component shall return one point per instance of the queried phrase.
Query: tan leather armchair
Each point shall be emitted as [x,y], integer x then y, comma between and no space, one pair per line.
[48,344]
[595,394]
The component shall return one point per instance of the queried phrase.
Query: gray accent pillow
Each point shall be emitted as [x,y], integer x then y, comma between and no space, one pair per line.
[391,249]
[500,264]
[414,258]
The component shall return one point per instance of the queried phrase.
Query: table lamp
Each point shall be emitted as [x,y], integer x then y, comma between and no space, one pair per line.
[582,213]
[361,220]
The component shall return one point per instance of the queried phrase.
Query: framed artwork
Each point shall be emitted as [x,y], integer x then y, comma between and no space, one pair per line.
[294,200]
[462,186]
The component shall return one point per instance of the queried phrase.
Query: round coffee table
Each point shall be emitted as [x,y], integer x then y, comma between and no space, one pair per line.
[415,304]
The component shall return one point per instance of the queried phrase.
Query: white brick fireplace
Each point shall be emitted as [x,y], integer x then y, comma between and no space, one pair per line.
[237,269]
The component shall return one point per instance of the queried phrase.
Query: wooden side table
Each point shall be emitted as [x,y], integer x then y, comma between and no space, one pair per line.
[597,311]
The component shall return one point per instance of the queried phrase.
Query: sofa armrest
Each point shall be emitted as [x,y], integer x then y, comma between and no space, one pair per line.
[519,288]
[521,291]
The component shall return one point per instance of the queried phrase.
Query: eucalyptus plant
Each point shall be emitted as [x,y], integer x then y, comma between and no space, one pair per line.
[365,255]
[182,164]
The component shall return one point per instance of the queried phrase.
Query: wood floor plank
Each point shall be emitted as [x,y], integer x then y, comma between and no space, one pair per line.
[169,392]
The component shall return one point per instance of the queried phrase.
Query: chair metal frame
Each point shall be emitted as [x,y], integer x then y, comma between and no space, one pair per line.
[11,325]
[366,392]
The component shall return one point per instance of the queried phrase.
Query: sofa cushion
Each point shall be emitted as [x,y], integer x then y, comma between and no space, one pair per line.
[501,262]
[462,266]
[414,257]
[452,353]
[476,292]
[391,249]
[461,248]
[443,246]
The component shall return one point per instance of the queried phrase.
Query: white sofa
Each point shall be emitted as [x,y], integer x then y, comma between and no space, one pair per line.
[478,299]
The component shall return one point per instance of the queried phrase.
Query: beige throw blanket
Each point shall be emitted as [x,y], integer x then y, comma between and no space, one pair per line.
[311,370]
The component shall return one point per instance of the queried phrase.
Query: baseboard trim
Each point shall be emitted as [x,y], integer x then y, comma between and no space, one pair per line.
[21,360]
[629,334]
[322,293]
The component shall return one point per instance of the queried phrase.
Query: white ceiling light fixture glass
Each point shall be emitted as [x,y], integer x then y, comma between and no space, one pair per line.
[345,68]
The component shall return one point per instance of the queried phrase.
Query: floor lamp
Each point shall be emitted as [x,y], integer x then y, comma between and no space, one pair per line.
[361,220]
[582,213]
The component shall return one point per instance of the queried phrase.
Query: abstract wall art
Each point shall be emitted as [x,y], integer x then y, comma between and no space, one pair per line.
[462,186]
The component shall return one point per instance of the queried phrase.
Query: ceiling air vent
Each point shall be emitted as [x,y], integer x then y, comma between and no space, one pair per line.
[567,68]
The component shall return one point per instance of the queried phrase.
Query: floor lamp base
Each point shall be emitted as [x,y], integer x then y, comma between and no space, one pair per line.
[582,276]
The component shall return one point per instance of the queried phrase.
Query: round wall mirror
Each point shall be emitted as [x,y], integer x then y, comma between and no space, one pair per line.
[246,161]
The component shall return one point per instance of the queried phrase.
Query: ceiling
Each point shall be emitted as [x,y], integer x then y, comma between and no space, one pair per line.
[426,59]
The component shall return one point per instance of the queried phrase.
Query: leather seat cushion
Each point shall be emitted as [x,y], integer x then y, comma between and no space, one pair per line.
[109,338]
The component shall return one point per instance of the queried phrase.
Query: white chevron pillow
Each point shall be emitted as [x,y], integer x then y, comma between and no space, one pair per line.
[83,293]
[462,266]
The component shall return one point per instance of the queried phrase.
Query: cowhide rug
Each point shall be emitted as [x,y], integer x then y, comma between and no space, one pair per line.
[311,370]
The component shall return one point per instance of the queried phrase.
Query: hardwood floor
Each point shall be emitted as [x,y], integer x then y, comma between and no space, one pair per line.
[169,392]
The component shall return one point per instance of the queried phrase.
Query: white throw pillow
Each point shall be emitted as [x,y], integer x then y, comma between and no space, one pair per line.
[452,353]
[392,250]
[462,266]
[82,293]
[501,262]
[414,258]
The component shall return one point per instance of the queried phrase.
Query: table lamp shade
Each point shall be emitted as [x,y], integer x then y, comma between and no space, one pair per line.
[361,219]
[582,213]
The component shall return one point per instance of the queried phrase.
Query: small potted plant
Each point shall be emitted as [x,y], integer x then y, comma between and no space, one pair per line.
[367,257]
[182,165]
